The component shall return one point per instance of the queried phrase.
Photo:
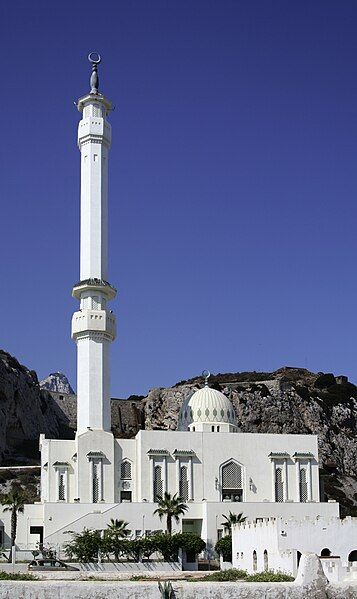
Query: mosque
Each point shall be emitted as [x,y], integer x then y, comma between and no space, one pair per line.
[95,477]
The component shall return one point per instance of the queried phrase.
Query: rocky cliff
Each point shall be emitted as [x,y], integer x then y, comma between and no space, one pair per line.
[25,412]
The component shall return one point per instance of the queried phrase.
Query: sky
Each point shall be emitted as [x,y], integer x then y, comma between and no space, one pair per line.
[233,184]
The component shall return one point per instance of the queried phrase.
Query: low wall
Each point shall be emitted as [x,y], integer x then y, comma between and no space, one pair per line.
[311,583]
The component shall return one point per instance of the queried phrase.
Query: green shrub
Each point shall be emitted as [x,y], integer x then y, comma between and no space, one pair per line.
[226,575]
[269,576]
[16,576]
[84,546]
[224,548]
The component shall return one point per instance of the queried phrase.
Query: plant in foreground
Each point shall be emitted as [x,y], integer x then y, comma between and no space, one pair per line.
[165,589]
[16,576]
[230,575]
[270,576]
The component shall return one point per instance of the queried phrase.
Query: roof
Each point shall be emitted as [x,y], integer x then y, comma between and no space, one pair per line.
[303,454]
[62,464]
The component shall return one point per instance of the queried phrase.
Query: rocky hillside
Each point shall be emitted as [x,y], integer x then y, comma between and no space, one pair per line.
[25,412]
[58,383]
[289,400]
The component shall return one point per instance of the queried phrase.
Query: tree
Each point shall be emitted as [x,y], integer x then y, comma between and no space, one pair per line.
[224,548]
[85,545]
[170,507]
[114,536]
[232,519]
[14,502]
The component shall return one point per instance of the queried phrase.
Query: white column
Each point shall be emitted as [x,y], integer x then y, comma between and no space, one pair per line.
[57,484]
[177,459]
[91,481]
[297,477]
[286,482]
[66,495]
[101,482]
[152,475]
[309,481]
[273,479]
[164,474]
[190,478]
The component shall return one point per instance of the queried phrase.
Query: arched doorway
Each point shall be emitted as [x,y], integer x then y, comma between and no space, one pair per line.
[325,552]
[353,556]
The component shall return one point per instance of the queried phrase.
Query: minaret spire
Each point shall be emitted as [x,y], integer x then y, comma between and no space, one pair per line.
[95,59]
[93,326]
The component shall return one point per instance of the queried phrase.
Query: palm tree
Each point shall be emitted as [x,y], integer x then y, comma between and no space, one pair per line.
[171,507]
[115,532]
[14,502]
[232,519]
[118,528]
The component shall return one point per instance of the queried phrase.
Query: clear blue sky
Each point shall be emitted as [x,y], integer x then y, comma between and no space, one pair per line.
[233,183]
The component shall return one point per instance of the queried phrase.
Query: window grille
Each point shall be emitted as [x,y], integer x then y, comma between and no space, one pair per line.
[232,482]
[125,470]
[61,487]
[183,486]
[95,303]
[303,485]
[231,476]
[95,482]
[279,485]
[157,482]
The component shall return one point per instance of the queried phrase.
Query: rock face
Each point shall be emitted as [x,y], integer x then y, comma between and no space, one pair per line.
[25,412]
[58,383]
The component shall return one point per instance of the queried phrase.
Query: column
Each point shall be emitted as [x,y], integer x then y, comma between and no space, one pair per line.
[297,477]
[190,479]
[309,481]
[286,482]
[164,474]
[177,460]
[152,474]
[273,479]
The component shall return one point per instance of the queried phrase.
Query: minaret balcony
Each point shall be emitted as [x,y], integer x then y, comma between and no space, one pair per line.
[99,321]
[94,127]
[94,284]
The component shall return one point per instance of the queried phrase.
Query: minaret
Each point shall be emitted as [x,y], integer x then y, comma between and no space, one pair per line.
[93,326]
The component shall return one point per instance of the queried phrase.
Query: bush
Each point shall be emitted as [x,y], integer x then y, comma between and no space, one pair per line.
[269,576]
[16,576]
[224,548]
[84,546]
[227,575]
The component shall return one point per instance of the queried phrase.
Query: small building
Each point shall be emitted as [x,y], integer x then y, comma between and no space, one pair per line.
[278,543]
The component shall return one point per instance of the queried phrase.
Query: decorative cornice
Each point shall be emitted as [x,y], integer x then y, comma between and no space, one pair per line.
[95,455]
[158,452]
[61,465]
[307,455]
[278,455]
[183,452]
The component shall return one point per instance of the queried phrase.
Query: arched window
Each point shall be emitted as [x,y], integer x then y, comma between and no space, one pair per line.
[232,487]
[157,482]
[303,485]
[125,470]
[255,561]
[183,486]
[353,556]
[279,485]
[325,552]
[266,563]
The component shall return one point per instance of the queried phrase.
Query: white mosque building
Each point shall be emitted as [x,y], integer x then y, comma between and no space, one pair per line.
[95,477]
